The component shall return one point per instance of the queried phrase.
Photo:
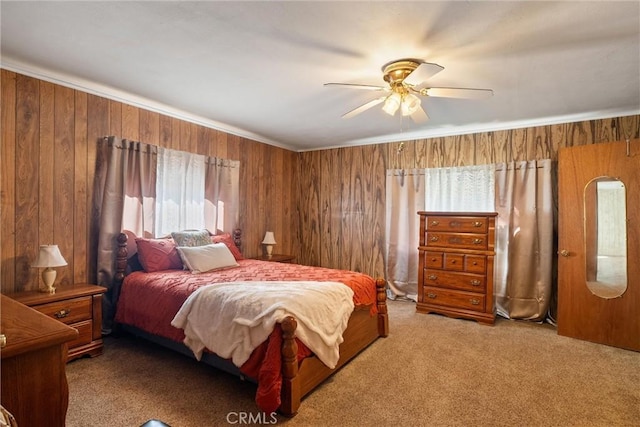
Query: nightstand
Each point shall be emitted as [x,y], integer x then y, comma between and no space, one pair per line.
[278,258]
[79,306]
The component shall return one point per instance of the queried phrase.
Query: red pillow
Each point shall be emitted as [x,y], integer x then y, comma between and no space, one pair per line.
[158,254]
[228,240]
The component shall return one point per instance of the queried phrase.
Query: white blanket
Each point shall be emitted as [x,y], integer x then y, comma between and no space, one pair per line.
[232,319]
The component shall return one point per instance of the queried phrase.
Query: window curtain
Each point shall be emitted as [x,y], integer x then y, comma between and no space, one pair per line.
[125,191]
[524,239]
[221,194]
[404,198]
[180,191]
[460,189]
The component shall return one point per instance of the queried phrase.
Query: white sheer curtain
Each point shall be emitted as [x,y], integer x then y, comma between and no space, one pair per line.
[461,189]
[404,198]
[524,239]
[180,191]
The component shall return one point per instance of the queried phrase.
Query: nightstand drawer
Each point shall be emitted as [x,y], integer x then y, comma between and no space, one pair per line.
[68,311]
[85,330]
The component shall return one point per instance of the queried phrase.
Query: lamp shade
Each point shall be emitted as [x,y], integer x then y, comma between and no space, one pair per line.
[269,239]
[49,256]
[392,103]
[410,104]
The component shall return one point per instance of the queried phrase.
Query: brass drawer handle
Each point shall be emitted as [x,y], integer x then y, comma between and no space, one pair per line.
[3,340]
[477,241]
[62,313]
[454,224]
[474,301]
[434,259]
[475,282]
[434,223]
[433,277]
[434,238]
[430,295]
[477,224]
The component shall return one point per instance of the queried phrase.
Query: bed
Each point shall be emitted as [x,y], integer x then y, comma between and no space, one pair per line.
[283,367]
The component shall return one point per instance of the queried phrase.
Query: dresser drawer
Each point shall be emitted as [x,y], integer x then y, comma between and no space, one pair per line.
[457,240]
[68,311]
[454,262]
[454,280]
[455,299]
[459,224]
[475,264]
[433,259]
[85,330]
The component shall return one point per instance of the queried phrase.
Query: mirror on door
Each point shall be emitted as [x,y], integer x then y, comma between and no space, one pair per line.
[605,226]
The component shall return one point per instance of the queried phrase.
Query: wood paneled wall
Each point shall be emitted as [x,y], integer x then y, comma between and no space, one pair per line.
[49,135]
[326,207]
[342,191]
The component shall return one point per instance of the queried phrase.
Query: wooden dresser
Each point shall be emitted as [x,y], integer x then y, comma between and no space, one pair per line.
[455,269]
[79,306]
[34,381]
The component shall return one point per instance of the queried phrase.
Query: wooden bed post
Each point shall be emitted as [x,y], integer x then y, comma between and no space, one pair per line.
[290,394]
[383,318]
[121,258]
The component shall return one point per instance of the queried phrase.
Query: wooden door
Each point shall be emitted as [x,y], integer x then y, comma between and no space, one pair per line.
[612,320]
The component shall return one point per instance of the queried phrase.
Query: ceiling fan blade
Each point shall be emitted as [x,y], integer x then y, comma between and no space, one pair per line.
[424,71]
[457,92]
[363,107]
[356,86]
[419,116]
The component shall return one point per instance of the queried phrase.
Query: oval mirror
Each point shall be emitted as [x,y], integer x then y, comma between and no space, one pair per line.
[605,234]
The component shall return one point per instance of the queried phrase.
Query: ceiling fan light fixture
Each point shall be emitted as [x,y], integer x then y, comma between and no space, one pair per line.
[410,104]
[392,103]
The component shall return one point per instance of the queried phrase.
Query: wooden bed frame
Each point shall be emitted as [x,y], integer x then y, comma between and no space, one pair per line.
[298,379]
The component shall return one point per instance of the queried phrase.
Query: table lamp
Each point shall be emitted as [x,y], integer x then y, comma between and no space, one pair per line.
[269,241]
[49,256]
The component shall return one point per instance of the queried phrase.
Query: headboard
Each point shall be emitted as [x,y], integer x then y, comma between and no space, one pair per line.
[126,264]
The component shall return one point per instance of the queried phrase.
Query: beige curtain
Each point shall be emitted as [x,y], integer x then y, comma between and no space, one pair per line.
[222,182]
[404,198]
[125,191]
[524,239]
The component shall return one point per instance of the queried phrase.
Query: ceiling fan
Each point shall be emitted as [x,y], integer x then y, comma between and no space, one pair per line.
[405,78]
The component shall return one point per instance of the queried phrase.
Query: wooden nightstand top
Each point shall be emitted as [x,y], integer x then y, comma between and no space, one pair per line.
[63,292]
[278,258]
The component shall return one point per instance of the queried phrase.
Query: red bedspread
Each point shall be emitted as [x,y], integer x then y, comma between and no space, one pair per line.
[149,301]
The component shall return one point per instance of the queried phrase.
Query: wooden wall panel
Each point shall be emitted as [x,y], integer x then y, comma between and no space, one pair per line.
[80,185]
[308,208]
[46,164]
[27,179]
[7,179]
[149,127]
[64,194]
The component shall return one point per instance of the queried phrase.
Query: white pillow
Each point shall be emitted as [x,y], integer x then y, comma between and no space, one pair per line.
[199,259]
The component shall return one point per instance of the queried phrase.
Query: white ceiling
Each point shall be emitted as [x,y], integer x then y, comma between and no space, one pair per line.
[257,69]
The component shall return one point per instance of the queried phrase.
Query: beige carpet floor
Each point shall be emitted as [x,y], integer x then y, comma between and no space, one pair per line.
[430,371]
